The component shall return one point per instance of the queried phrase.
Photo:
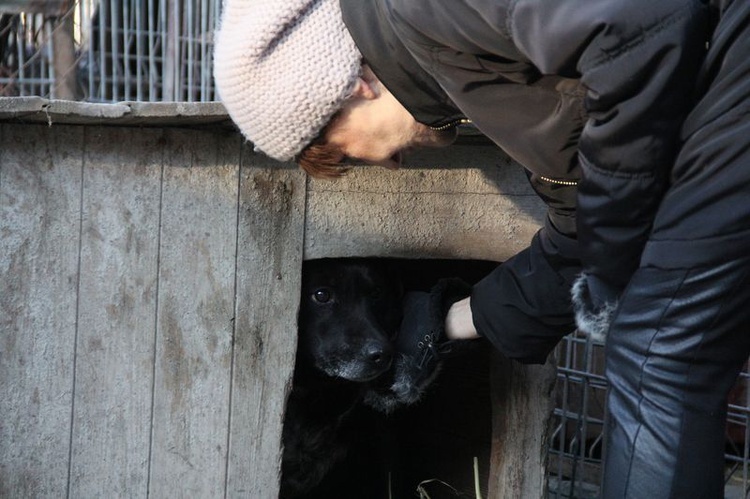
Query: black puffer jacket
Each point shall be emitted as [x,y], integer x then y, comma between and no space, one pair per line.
[569,89]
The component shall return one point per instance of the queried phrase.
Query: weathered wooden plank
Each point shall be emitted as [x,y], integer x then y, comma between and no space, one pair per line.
[522,406]
[269,263]
[40,187]
[195,314]
[116,318]
[418,225]
[39,110]
[438,207]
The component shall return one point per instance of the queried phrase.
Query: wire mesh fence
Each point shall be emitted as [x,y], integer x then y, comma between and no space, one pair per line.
[576,446]
[109,50]
[577,436]
[25,67]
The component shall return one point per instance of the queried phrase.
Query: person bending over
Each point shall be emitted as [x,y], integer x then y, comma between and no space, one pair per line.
[632,120]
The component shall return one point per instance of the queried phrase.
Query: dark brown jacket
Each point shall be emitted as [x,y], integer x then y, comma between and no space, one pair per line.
[593,92]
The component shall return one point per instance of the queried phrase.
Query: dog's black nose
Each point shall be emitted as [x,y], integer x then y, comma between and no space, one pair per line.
[378,354]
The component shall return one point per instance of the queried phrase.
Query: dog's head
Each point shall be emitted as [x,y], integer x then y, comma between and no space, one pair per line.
[349,312]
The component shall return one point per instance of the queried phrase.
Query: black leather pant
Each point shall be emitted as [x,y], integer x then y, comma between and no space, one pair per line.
[682,331]
[679,341]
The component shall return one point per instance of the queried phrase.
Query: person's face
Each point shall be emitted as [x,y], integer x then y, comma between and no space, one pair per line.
[375,128]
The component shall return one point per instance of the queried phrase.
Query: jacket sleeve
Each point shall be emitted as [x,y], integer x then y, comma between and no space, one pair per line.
[523,307]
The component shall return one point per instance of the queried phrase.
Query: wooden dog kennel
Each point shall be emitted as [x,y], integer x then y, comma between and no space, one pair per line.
[149,282]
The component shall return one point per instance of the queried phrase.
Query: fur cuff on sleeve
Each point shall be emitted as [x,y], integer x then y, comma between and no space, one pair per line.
[591,320]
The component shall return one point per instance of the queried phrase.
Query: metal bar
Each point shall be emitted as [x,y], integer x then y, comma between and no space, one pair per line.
[20,54]
[171,51]
[87,16]
[114,53]
[37,81]
[205,51]
[189,37]
[103,10]
[139,49]
[152,24]
[125,51]
[214,23]
[47,68]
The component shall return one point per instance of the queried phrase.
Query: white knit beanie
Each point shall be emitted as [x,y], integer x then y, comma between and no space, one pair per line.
[283,68]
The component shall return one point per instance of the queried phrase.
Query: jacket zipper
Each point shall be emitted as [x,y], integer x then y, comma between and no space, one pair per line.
[454,123]
[466,121]
[558,182]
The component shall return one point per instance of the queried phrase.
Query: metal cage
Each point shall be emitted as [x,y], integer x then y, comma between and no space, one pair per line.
[576,445]
[110,51]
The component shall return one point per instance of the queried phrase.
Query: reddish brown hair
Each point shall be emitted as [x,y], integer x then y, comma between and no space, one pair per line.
[321,159]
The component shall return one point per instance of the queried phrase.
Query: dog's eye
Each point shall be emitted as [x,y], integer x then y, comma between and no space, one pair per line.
[322,295]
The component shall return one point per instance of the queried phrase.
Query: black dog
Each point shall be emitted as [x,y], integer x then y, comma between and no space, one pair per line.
[349,313]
